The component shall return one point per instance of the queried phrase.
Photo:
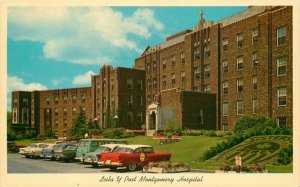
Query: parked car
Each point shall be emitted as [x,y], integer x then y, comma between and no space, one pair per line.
[66,153]
[49,152]
[132,157]
[50,146]
[57,152]
[92,157]
[90,145]
[29,150]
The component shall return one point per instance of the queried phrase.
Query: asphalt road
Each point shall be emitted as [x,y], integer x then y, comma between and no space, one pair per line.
[19,164]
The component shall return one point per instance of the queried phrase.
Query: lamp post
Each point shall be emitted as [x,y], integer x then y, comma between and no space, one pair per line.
[96,122]
[116,118]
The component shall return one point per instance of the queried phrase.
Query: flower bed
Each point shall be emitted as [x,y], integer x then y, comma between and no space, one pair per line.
[166,167]
[244,169]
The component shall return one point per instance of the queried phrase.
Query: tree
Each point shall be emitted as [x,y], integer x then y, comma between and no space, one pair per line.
[11,134]
[80,127]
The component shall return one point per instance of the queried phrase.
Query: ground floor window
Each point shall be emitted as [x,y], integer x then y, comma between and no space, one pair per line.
[225,127]
[281,122]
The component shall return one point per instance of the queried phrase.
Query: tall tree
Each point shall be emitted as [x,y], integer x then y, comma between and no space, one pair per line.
[80,127]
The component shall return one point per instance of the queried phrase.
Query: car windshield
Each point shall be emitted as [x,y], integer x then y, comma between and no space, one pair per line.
[32,145]
[103,149]
[71,147]
[44,146]
[58,146]
[123,150]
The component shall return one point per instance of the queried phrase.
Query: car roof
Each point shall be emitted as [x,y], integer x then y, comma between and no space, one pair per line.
[111,145]
[135,146]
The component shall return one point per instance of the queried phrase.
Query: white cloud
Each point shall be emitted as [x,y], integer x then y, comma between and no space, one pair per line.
[83,79]
[90,35]
[15,83]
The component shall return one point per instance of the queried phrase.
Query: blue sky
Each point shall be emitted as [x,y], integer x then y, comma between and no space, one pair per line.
[60,47]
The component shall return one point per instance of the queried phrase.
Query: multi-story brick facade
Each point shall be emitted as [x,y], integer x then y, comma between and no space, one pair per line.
[246,60]
[115,93]
[242,65]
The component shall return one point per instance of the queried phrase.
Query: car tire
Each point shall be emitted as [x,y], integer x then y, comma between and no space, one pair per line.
[53,158]
[132,166]
[113,168]
[27,156]
[95,165]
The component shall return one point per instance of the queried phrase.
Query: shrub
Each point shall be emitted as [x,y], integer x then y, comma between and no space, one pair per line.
[210,133]
[285,156]
[117,133]
[172,128]
[192,132]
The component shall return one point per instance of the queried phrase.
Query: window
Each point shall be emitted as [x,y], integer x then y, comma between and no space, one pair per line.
[104,102]
[239,106]
[164,81]
[74,98]
[239,40]
[104,85]
[140,100]
[282,96]
[182,76]
[154,83]
[196,53]
[112,99]
[149,100]
[239,85]
[225,44]
[15,115]
[47,101]
[149,84]
[196,88]
[281,36]
[129,116]
[281,66]
[74,111]
[83,97]
[281,122]
[65,111]
[25,101]
[56,99]
[65,99]
[83,110]
[239,63]
[254,106]
[225,87]
[225,66]
[15,102]
[254,82]
[112,84]
[225,109]
[148,68]
[206,70]
[254,59]
[207,50]
[56,123]
[154,66]
[140,85]
[173,60]
[254,36]
[197,72]
[164,63]
[65,123]
[182,58]
[129,84]
[225,126]
[207,88]
[200,117]
[129,100]
[139,117]
[56,111]
[173,78]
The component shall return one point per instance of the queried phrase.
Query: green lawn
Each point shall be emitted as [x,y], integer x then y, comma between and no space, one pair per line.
[26,142]
[186,150]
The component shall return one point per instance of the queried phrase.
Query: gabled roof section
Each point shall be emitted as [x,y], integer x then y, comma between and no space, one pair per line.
[146,49]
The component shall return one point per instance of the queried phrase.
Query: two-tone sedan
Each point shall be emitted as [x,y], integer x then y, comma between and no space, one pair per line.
[132,157]
[93,157]
[66,153]
[57,152]
[32,150]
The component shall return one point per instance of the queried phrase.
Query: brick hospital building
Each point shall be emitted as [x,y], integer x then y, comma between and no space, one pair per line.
[204,78]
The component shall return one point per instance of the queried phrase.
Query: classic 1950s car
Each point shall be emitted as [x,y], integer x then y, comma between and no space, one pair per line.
[132,157]
[67,153]
[33,150]
[92,157]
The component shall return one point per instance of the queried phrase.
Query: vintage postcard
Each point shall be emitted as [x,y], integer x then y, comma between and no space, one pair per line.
[127,93]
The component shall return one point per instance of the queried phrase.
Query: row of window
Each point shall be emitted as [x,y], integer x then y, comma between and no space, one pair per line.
[65,111]
[139,117]
[139,85]
[282,101]
[164,63]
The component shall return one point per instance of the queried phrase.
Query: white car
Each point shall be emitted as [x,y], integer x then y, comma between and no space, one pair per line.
[33,150]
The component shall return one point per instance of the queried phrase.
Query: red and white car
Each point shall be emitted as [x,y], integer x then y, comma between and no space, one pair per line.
[132,157]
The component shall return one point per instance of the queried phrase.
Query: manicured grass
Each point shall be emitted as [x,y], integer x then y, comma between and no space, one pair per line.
[26,142]
[280,169]
[188,149]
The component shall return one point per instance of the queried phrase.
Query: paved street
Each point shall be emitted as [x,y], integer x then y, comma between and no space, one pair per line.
[19,164]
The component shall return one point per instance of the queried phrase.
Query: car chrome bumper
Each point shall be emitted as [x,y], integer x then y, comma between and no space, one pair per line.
[79,158]
[106,163]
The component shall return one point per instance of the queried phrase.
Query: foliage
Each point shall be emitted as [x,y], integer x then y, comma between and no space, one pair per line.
[173,128]
[30,134]
[50,134]
[167,164]
[80,127]
[117,133]
[285,156]
[11,134]
[245,128]
[248,169]
[211,133]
